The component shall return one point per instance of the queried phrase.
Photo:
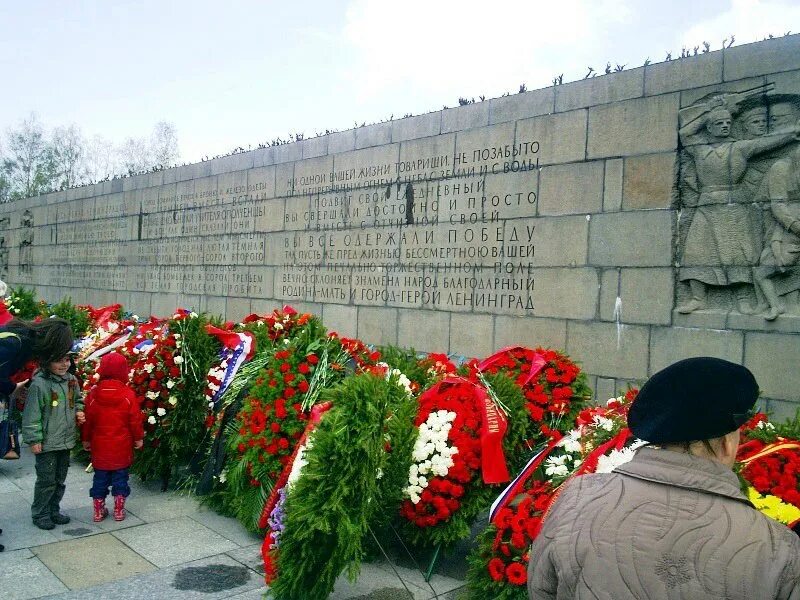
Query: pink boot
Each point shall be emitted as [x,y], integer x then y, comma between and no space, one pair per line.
[100,510]
[119,508]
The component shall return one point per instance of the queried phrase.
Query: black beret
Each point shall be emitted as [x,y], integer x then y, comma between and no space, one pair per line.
[693,399]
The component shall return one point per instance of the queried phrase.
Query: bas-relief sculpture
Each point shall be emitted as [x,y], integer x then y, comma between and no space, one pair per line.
[740,203]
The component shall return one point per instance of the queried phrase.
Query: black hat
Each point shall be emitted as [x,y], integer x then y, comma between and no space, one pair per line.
[693,399]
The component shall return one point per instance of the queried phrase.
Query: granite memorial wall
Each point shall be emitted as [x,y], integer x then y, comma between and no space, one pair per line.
[632,219]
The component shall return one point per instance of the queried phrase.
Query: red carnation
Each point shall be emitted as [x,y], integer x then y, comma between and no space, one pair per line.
[284,367]
[496,569]
[312,358]
[303,368]
[516,574]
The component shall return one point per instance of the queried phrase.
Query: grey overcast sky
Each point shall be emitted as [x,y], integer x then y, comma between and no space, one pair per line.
[241,72]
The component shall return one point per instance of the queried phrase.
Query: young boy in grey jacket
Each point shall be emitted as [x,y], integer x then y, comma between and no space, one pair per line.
[53,411]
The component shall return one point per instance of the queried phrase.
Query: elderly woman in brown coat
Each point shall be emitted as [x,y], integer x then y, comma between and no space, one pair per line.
[672,523]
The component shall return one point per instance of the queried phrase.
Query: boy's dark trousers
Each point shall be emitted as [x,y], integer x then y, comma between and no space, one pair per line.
[117,479]
[51,473]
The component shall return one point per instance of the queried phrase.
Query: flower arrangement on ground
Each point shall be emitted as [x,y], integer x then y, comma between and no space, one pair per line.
[599,442]
[360,450]
[769,464]
[554,387]
[457,464]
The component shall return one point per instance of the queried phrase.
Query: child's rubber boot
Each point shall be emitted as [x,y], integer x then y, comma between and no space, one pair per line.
[100,510]
[119,508]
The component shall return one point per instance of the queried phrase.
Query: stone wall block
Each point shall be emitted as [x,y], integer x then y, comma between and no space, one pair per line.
[423,330]
[669,345]
[315,146]
[465,117]
[284,153]
[571,189]
[565,293]
[600,90]
[558,241]
[419,126]
[612,185]
[341,318]
[619,129]
[631,239]
[649,181]
[377,325]
[341,141]
[774,358]
[769,56]
[373,135]
[604,349]
[529,331]
[561,137]
[521,106]
[471,335]
[681,74]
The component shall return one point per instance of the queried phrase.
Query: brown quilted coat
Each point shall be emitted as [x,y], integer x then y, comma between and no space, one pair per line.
[665,525]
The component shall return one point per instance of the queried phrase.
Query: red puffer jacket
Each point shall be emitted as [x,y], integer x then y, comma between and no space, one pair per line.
[113,417]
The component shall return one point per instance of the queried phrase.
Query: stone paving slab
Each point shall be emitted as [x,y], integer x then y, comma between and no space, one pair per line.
[86,515]
[7,485]
[374,582]
[90,561]
[24,576]
[172,583]
[227,527]
[15,521]
[161,506]
[168,543]
[249,556]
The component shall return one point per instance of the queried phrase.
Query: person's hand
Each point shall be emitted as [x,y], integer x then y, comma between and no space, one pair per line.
[20,391]
[36,448]
[137,445]
[80,416]
[87,446]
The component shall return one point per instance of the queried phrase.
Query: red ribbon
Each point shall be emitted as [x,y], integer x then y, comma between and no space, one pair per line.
[493,428]
[231,339]
[101,316]
[538,361]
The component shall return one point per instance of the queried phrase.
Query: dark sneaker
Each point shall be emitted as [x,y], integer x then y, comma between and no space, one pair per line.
[60,519]
[44,524]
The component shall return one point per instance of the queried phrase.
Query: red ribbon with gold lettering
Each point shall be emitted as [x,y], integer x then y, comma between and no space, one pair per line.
[493,428]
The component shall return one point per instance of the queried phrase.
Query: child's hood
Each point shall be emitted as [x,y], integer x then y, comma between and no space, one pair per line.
[113,366]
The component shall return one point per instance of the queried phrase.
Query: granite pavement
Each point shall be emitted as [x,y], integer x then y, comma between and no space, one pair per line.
[169,546]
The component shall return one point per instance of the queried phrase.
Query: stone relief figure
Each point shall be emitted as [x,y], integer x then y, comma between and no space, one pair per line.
[723,242]
[781,254]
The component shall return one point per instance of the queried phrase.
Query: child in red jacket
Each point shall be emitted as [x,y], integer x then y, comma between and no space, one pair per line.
[112,430]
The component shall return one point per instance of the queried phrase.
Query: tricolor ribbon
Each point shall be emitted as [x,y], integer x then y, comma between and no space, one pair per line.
[588,465]
[237,349]
[518,485]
